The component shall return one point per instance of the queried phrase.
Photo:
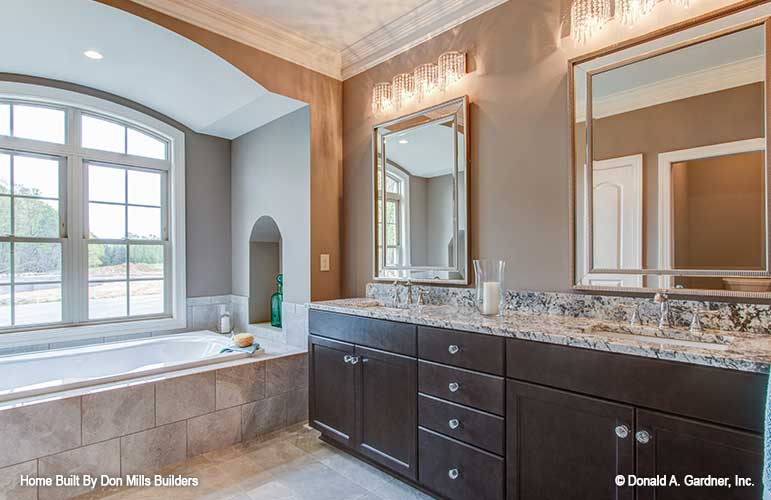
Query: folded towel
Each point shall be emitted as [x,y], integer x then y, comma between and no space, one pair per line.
[234,348]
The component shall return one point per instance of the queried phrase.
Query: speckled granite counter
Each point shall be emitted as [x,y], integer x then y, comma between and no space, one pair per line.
[744,351]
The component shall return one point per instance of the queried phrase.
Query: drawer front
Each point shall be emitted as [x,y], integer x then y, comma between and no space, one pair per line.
[458,471]
[474,351]
[390,336]
[478,390]
[462,423]
[727,397]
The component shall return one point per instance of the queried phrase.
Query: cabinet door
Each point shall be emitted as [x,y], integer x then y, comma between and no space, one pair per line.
[681,447]
[564,446]
[387,410]
[332,391]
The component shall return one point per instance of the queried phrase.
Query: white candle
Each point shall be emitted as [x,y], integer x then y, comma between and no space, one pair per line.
[225,324]
[491,296]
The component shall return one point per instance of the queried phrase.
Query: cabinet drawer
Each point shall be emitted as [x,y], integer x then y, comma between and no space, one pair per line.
[467,350]
[479,390]
[465,424]
[390,336]
[458,471]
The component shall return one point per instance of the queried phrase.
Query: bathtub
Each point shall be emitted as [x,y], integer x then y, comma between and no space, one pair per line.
[38,373]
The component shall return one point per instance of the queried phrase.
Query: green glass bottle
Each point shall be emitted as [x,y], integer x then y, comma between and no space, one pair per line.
[275,303]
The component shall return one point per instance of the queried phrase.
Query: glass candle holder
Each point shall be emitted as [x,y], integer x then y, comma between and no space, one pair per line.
[489,280]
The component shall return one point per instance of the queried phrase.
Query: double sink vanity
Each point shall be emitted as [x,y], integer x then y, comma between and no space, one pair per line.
[531,407]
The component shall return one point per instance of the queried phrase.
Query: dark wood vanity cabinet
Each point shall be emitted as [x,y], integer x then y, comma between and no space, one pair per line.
[470,416]
[363,398]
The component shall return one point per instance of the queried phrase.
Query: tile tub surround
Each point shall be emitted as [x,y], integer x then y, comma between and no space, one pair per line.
[749,352]
[149,426]
[735,317]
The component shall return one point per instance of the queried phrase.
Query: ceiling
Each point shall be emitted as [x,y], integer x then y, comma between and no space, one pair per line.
[339,38]
[425,151]
[143,62]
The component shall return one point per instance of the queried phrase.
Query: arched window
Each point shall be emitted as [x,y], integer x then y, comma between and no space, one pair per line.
[91,213]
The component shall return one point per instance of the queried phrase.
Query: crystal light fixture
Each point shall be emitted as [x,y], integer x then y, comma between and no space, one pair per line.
[452,67]
[402,89]
[587,17]
[629,12]
[381,98]
[426,80]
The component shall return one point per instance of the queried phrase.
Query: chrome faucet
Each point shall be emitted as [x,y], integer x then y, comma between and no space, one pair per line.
[665,315]
[408,299]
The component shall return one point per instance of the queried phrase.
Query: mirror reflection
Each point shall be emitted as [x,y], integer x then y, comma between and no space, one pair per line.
[421,176]
[678,178]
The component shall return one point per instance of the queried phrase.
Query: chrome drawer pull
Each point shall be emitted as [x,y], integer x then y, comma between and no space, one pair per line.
[454,423]
[453,349]
[347,358]
[622,431]
[454,386]
[453,473]
[354,360]
[643,437]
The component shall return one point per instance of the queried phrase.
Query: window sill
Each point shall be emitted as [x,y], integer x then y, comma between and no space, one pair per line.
[66,333]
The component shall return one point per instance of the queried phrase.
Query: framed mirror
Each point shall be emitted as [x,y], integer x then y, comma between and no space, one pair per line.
[420,195]
[676,196]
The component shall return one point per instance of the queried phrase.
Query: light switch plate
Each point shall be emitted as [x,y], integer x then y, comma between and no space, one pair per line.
[324,262]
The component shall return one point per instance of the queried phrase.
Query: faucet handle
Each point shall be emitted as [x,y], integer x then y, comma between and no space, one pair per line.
[696,326]
[634,319]
[422,297]
[660,297]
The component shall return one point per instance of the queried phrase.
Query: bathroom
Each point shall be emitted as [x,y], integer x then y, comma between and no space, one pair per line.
[306,250]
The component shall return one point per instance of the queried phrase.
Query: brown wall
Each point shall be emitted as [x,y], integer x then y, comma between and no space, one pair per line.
[719,213]
[324,95]
[517,87]
[719,117]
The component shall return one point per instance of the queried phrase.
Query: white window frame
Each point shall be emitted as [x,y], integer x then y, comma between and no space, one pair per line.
[76,289]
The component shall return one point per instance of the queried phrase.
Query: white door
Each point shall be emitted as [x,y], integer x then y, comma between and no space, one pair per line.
[617,221]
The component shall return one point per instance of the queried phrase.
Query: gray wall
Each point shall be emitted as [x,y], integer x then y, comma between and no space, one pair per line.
[207,193]
[518,142]
[271,176]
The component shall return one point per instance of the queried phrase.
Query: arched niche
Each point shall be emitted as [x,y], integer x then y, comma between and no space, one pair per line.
[265,246]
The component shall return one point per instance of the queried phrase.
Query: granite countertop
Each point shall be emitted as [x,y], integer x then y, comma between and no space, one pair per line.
[749,352]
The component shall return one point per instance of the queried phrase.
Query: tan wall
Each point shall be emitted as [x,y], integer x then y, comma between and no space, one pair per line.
[324,94]
[517,87]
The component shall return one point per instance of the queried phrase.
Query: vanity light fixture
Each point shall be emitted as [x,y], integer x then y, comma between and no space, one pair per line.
[402,89]
[426,80]
[629,12]
[419,84]
[381,98]
[93,54]
[403,141]
[452,67]
[587,17]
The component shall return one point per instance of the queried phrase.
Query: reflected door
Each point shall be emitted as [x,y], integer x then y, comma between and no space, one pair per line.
[616,220]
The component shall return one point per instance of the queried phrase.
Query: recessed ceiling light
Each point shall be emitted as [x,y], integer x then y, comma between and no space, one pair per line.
[403,141]
[92,54]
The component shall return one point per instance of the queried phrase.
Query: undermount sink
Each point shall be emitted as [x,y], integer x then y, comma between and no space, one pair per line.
[668,336]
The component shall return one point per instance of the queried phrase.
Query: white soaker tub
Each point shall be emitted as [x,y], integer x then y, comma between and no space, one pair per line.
[44,372]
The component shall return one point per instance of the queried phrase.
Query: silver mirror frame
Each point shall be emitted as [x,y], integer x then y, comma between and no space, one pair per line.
[576,170]
[378,145]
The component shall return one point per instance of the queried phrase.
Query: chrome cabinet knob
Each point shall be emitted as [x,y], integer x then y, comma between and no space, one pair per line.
[453,349]
[643,437]
[453,473]
[354,360]
[347,358]
[454,386]
[622,431]
[454,423]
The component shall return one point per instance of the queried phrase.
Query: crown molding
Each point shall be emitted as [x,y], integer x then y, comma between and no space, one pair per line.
[422,23]
[259,33]
[715,79]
